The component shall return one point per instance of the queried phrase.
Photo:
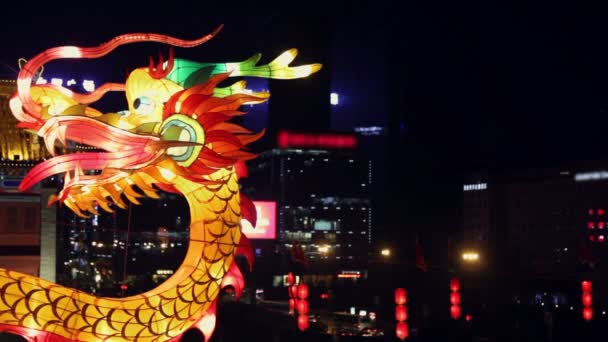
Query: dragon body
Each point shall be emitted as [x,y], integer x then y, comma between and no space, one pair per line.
[176,137]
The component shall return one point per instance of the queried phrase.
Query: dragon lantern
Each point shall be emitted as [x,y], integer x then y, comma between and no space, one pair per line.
[176,136]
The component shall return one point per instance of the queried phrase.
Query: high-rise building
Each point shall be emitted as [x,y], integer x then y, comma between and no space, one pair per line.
[543,227]
[323,204]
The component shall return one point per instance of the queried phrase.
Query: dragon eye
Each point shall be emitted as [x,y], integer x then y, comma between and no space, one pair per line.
[179,127]
[143,105]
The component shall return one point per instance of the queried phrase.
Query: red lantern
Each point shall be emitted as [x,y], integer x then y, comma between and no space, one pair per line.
[302,306]
[455,285]
[402,330]
[587,314]
[468,317]
[302,291]
[400,313]
[302,322]
[292,304]
[290,279]
[586,285]
[455,298]
[293,291]
[400,296]
[124,287]
[587,299]
[455,311]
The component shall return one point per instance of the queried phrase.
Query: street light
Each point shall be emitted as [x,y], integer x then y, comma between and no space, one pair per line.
[385,252]
[470,256]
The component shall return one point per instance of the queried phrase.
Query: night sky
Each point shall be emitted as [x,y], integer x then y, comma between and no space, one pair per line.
[470,84]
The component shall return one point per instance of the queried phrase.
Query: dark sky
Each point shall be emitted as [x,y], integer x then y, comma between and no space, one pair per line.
[474,84]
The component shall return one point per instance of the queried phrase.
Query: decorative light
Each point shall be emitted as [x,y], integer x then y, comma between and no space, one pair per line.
[333,99]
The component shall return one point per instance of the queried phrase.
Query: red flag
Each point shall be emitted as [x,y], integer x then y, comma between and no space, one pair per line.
[420,262]
[298,256]
[584,255]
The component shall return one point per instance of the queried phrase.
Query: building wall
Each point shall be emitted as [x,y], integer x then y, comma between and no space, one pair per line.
[537,220]
[16,143]
[20,232]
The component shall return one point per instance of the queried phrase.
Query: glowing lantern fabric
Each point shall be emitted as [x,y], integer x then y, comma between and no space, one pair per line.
[400,296]
[302,291]
[402,330]
[588,314]
[303,322]
[455,298]
[455,311]
[400,313]
[455,285]
[176,137]
[302,306]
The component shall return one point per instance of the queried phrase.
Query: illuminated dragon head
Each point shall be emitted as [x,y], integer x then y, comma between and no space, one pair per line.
[177,122]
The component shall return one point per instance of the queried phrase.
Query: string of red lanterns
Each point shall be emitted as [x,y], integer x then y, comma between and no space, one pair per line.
[455,310]
[587,299]
[401,328]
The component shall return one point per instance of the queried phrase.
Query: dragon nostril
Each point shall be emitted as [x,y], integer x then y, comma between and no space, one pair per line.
[136,103]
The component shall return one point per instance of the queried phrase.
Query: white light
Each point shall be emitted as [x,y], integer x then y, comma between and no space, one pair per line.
[70,82]
[477,186]
[590,176]
[385,252]
[41,80]
[352,310]
[333,99]
[362,313]
[88,85]
[57,81]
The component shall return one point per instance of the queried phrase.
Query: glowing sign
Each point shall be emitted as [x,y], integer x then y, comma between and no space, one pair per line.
[590,176]
[308,140]
[265,227]
[473,187]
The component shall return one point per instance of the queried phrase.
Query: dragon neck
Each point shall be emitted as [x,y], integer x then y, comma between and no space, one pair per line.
[215,220]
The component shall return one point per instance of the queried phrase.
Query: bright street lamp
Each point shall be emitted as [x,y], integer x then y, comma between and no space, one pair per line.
[470,256]
[385,252]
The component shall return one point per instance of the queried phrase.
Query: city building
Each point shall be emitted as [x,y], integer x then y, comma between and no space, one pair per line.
[27,232]
[544,227]
[324,205]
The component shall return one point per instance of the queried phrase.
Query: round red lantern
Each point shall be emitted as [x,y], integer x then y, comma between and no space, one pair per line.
[468,317]
[402,330]
[455,311]
[302,291]
[302,322]
[400,296]
[292,304]
[400,313]
[455,285]
[302,306]
[587,299]
[455,298]
[586,285]
[290,279]
[587,314]
[293,291]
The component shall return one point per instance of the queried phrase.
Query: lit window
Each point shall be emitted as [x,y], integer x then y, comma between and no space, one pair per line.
[590,225]
[600,211]
[333,99]
[600,225]
[600,238]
